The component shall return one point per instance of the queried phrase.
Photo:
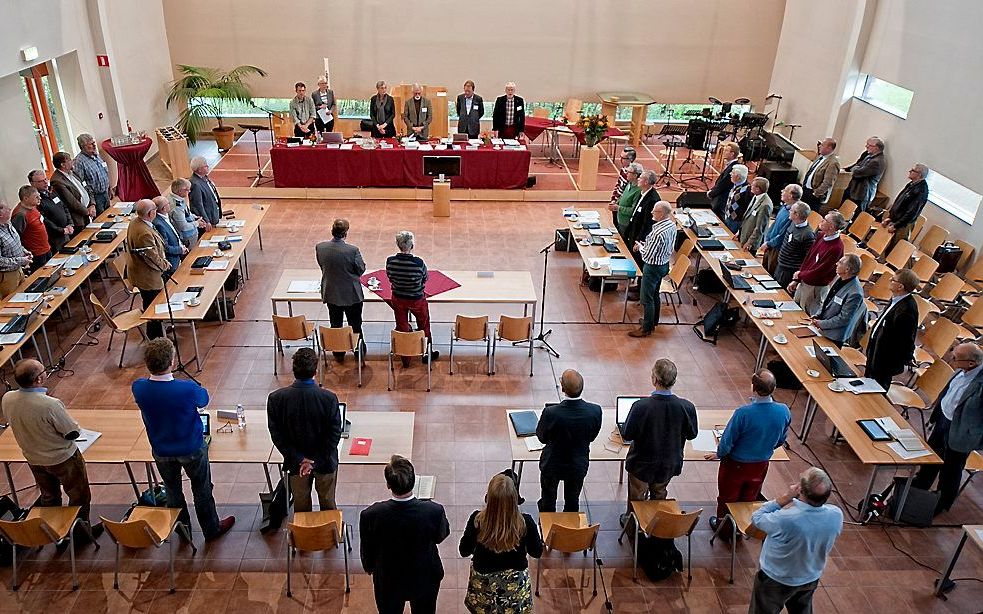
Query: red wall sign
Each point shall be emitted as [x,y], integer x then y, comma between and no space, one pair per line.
[102,60]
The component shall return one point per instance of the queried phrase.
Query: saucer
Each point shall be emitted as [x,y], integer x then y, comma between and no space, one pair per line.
[92,257]
[835,386]
[768,322]
[746,275]
[780,339]
[812,373]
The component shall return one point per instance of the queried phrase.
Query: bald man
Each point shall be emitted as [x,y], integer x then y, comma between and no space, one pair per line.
[567,428]
[509,114]
[417,115]
[817,184]
[147,259]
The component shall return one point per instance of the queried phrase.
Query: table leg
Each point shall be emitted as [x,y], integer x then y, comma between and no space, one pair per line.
[245,264]
[259,231]
[951,565]
[907,489]
[150,478]
[600,301]
[624,312]
[269,482]
[290,308]
[133,480]
[37,350]
[194,336]
[870,490]
[10,482]
[762,351]
[621,474]
[225,314]
[47,345]
[808,417]
[518,474]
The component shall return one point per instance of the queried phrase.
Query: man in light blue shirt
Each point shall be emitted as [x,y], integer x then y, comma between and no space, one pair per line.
[778,229]
[801,528]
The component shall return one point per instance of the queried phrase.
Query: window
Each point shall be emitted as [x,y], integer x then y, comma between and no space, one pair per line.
[955,198]
[884,95]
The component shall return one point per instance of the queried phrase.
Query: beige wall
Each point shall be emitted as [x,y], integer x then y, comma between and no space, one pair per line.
[675,50]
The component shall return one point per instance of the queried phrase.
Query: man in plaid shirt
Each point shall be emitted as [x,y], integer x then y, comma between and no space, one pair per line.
[628,155]
[93,172]
[656,252]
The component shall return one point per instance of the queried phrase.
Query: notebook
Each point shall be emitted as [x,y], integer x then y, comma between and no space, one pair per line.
[360,446]
[524,422]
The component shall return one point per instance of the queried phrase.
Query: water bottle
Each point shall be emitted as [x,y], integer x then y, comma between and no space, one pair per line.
[241,417]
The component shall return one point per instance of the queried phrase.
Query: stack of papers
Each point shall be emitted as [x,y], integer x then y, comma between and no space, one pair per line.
[533,443]
[865,385]
[705,441]
[10,338]
[426,147]
[86,438]
[716,231]
[597,263]
[217,265]
[511,143]
[730,244]
[25,297]
[182,297]
[788,306]
[162,308]
[304,286]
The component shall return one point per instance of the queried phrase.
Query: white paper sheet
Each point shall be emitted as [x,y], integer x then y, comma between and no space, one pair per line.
[600,232]
[426,147]
[11,338]
[788,306]
[86,438]
[25,297]
[304,286]
[730,244]
[217,265]
[828,350]
[704,441]
[759,289]
[533,443]
[905,454]
[162,309]
[762,276]
[511,143]
[182,297]
[324,115]
[719,232]
[888,424]
[866,387]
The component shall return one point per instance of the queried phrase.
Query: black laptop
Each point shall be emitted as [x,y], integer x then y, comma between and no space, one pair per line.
[43,284]
[524,422]
[835,365]
[701,231]
[621,409]
[18,324]
[737,283]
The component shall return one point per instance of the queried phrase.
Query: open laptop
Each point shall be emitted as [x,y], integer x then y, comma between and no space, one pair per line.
[206,426]
[43,284]
[621,409]
[834,365]
[332,137]
[737,283]
[702,232]
[18,324]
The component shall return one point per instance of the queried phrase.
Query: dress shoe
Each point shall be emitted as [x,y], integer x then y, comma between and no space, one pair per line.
[223,527]
[623,519]
[640,332]
[714,522]
[434,355]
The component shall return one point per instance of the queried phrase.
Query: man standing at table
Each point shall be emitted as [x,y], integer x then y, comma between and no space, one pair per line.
[148,261]
[382,112]
[892,339]
[629,197]
[811,281]
[567,429]
[302,111]
[324,102]
[28,222]
[93,171]
[640,222]
[13,256]
[72,190]
[407,275]
[341,286]
[417,115]
[470,109]
[656,253]
[722,186]
[174,248]
[817,185]
[843,307]
[791,194]
[205,201]
[57,217]
[795,244]
[509,115]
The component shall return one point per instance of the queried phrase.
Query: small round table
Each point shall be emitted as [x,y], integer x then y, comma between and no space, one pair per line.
[135,181]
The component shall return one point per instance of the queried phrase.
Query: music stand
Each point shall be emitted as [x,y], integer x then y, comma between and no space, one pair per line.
[669,133]
[259,176]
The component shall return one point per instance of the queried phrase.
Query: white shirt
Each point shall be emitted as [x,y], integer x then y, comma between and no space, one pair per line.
[78,186]
[166,377]
[467,104]
[957,385]
[812,171]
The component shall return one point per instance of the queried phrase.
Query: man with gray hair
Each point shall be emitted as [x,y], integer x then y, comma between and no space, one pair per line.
[629,195]
[738,198]
[13,256]
[907,206]
[957,425]
[188,225]
[407,275]
[817,184]
[93,172]
[147,260]
[810,282]
[658,428]
[800,530]
[795,245]
[655,254]
[866,174]
[509,114]
[791,194]
[842,309]
[417,115]
[204,198]
[627,158]
[640,221]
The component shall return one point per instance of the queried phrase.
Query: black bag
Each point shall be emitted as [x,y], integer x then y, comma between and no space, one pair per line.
[708,329]
[234,281]
[693,200]
[275,508]
[515,480]
[784,378]
[919,505]
[947,255]
[155,497]
[562,241]
[707,282]
[659,558]
[594,283]
[212,314]
[366,125]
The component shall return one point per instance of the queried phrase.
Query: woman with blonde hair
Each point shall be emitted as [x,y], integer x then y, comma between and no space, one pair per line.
[499,539]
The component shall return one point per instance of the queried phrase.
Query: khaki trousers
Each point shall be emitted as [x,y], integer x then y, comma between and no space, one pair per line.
[9,280]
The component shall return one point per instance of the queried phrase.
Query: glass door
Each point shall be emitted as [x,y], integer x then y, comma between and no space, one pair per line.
[37,94]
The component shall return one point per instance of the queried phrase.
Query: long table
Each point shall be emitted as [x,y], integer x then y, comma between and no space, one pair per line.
[320,167]
[590,252]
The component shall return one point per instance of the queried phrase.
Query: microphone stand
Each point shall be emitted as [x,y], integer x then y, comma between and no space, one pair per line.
[544,335]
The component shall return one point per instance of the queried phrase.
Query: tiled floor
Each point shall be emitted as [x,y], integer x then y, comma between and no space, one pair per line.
[460,436]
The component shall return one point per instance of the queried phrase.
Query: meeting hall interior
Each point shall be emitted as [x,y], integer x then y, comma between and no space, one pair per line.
[557,306]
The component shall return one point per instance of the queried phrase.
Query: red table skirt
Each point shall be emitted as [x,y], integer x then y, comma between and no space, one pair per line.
[319,167]
[537,125]
[135,181]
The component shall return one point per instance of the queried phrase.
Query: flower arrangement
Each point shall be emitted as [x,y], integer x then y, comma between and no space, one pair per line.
[595,127]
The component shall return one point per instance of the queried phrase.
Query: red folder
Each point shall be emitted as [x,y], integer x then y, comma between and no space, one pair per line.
[360,446]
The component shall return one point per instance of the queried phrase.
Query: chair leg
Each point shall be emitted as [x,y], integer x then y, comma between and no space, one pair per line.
[71,555]
[390,376]
[733,547]
[494,346]
[429,363]
[921,414]
[109,347]
[170,556]
[539,568]
[532,356]
[594,565]
[122,352]
[289,565]
[634,556]
[344,550]
[13,565]
[487,354]
[116,570]
[689,557]
[451,357]
[359,359]
[276,358]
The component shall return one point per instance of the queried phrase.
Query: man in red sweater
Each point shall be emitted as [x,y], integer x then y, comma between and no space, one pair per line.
[27,220]
[811,282]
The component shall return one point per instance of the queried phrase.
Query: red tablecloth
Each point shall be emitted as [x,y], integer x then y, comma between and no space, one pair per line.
[537,125]
[135,181]
[436,283]
[319,167]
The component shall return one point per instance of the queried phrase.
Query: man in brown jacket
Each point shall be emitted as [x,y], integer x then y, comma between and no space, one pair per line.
[147,260]
[817,184]
[72,190]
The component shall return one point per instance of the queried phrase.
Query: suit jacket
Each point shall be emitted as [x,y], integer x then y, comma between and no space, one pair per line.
[411,119]
[399,545]
[867,172]
[518,118]
[658,427]
[721,188]
[341,267]
[205,202]
[470,124]
[305,422]
[389,111]
[640,222]
[909,203]
[145,267]
[56,218]
[966,430]
[824,177]
[172,244]
[70,195]
[756,220]
[892,341]
[840,313]
[567,428]
[743,198]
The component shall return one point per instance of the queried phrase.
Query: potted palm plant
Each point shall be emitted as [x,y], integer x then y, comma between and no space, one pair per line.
[199,87]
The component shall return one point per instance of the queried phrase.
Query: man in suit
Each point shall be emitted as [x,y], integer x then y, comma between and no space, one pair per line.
[57,217]
[721,187]
[174,249]
[13,256]
[567,428]
[509,115]
[305,426]
[817,185]
[148,261]
[72,190]
[658,428]
[957,425]
[738,198]
[843,306]
[892,339]
[772,244]
[398,547]
[866,174]
[205,201]
[907,206]
[341,286]
[640,222]
[470,109]
[382,112]
[417,115]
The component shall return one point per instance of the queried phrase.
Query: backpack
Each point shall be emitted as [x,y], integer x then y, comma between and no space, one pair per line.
[707,282]
[708,329]
[784,378]
[659,558]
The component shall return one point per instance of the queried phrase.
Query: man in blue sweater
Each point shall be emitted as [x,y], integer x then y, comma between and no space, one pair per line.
[751,436]
[779,228]
[169,408]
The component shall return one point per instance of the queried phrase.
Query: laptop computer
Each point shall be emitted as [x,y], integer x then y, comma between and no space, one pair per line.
[621,409]
[18,324]
[43,284]
[834,365]
[206,426]
[702,232]
[332,137]
[737,283]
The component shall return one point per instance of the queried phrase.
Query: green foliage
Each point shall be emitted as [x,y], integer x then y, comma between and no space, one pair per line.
[203,91]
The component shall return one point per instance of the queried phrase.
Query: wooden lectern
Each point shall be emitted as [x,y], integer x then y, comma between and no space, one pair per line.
[173,148]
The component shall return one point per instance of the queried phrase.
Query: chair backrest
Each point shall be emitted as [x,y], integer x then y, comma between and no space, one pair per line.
[868,264]
[290,328]
[967,255]
[30,533]
[934,379]
[861,225]
[514,329]
[670,525]
[934,236]
[120,263]
[925,268]
[974,315]
[540,112]
[917,226]
[686,248]
[409,344]
[677,273]
[900,254]
[571,109]
[314,538]
[131,533]
[879,241]
[940,336]
[925,308]
[848,209]
[102,311]
[570,540]
[975,270]
[814,219]
[471,328]
[881,289]
[336,339]
[948,288]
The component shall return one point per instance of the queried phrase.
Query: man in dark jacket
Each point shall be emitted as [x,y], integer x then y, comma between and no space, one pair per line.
[722,186]
[658,428]
[305,426]
[399,540]
[892,339]
[795,245]
[341,287]
[907,206]
[866,174]
[567,428]
[509,115]
[205,200]
[57,217]
[640,222]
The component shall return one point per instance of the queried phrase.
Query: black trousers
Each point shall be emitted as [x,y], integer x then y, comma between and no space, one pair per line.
[303,133]
[154,327]
[338,313]
[323,127]
[572,487]
[809,198]
[770,596]
[949,473]
[388,603]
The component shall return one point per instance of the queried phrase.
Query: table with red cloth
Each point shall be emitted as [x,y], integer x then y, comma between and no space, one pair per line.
[320,167]
[437,283]
[134,180]
[537,125]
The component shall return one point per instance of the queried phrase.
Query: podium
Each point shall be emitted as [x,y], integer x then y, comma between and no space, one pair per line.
[441,198]
[610,101]
[173,148]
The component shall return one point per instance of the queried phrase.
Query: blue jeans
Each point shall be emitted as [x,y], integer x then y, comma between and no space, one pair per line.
[732,224]
[196,466]
[101,201]
[652,275]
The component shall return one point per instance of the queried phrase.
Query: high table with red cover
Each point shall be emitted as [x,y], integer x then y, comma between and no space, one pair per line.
[135,181]
[537,125]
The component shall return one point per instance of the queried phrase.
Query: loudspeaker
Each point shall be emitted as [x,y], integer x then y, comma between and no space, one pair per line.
[919,506]
[693,200]
[778,175]
[531,181]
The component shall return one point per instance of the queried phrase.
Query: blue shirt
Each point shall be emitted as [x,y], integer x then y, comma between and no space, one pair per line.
[778,229]
[957,385]
[799,538]
[170,414]
[754,431]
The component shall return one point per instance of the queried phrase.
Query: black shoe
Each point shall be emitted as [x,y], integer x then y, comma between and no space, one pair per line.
[623,519]
[434,355]
[714,523]
[339,356]
[223,527]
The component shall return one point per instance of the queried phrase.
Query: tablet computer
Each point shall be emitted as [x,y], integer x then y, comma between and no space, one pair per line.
[874,430]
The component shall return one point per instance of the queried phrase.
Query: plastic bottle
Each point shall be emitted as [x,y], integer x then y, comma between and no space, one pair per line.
[241,416]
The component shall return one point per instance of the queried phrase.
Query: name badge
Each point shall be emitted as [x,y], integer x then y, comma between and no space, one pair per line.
[838,300]
[83,184]
[518,108]
[55,200]
[104,165]
[424,109]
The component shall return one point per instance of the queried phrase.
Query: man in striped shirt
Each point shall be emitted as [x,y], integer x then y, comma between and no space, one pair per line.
[407,275]
[655,252]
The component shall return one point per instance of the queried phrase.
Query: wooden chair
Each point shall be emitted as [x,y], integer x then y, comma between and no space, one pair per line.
[925,309]
[899,256]
[468,328]
[974,274]
[853,355]
[881,289]
[120,323]
[673,282]
[925,268]
[878,243]
[120,263]
[406,345]
[868,264]
[947,291]
[814,219]
[514,330]
[291,328]
[861,226]
[342,339]
[147,527]
[938,338]
[972,320]
[568,532]
[43,526]
[917,227]
[662,519]
[542,112]
[848,209]
[934,236]
[968,250]
[315,532]
[738,517]
[930,383]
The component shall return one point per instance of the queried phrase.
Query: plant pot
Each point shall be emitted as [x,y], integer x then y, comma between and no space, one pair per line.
[224,136]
